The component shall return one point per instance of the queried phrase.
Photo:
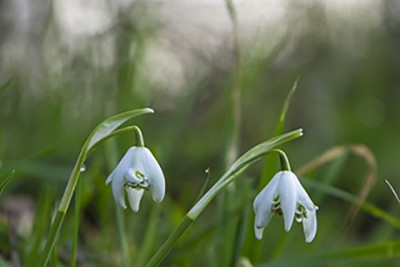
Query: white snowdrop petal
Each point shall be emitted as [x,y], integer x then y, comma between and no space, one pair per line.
[303,197]
[263,203]
[134,197]
[117,186]
[110,178]
[258,232]
[288,197]
[154,174]
[310,226]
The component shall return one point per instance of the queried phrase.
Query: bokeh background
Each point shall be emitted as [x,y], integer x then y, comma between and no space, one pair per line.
[67,65]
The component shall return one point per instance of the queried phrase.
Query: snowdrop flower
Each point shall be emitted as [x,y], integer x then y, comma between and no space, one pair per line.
[137,171]
[284,195]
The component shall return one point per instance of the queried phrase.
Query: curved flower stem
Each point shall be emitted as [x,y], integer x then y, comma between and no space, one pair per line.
[138,136]
[285,165]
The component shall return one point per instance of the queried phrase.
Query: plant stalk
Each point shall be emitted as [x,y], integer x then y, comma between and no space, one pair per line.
[170,242]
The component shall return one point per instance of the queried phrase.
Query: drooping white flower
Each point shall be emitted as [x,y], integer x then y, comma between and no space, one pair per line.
[284,195]
[137,171]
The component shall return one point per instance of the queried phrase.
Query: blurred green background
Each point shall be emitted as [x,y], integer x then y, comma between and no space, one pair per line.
[67,65]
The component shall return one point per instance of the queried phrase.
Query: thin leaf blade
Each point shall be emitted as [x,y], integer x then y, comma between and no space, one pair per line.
[260,150]
[383,251]
[109,125]
[6,180]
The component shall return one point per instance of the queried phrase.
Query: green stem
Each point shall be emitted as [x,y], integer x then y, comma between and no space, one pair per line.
[232,151]
[211,194]
[227,229]
[138,137]
[150,236]
[55,229]
[62,209]
[285,165]
[116,132]
[122,235]
[54,260]
[190,217]
[170,242]
[78,194]
[72,182]
[112,160]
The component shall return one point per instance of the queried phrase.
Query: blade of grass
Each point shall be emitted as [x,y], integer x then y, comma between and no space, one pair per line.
[245,209]
[43,211]
[150,236]
[379,252]
[333,153]
[112,160]
[6,180]
[346,196]
[78,197]
[270,162]
[54,258]
[286,105]
[366,154]
[227,228]
[253,249]
[393,191]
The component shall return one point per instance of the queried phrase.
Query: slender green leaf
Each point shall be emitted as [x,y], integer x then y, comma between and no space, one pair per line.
[384,251]
[109,125]
[248,158]
[260,150]
[281,121]
[253,249]
[365,206]
[112,160]
[5,181]
[393,191]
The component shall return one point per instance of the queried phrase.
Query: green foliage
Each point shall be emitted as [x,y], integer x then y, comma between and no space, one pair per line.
[102,132]
[387,253]
[348,93]
[6,180]
[393,191]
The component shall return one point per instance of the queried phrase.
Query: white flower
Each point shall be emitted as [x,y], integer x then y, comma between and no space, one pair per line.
[284,195]
[137,171]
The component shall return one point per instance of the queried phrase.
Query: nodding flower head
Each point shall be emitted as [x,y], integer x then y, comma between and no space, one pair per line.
[137,171]
[284,195]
